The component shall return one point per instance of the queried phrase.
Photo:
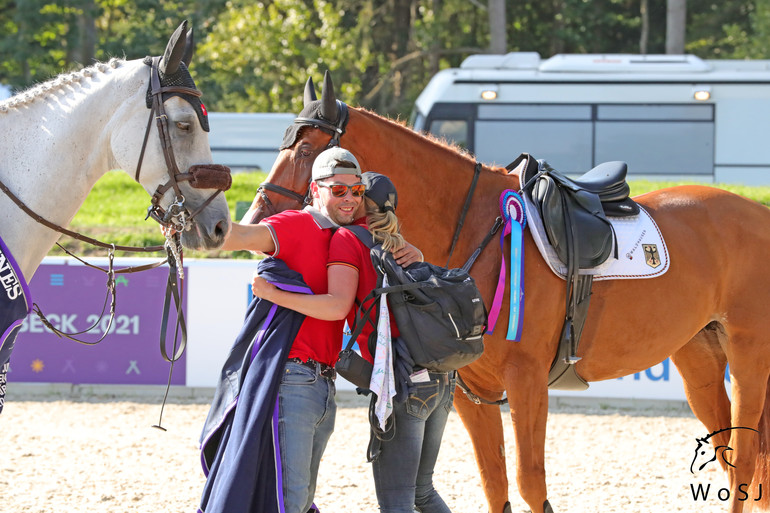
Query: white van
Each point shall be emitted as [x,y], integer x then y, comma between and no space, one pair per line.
[667,116]
[247,140]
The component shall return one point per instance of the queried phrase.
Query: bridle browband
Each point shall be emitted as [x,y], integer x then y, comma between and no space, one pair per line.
[177,216]
[336,130]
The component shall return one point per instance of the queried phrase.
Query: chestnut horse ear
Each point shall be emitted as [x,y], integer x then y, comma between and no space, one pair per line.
[169,64]
[189,48]
[309,92]
[329,108]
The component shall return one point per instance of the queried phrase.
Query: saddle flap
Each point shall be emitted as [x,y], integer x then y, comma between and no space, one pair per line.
[585,214]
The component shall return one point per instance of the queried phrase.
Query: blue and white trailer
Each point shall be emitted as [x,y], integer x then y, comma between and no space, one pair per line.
[667,116]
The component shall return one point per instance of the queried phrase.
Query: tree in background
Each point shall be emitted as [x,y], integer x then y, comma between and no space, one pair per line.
[256,56]
[676,25]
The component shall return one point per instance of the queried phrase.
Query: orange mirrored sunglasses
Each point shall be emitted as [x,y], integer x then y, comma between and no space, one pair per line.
[339,190]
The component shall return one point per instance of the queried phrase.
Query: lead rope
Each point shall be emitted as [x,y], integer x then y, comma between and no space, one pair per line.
[174,290]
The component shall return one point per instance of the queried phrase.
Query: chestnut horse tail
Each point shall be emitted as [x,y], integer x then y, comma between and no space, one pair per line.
[762,468]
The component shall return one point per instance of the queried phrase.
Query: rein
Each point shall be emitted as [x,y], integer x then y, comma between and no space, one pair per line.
[75,235]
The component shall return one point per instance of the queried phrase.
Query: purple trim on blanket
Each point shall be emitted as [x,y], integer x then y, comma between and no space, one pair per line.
[255,348]
[24,287]
[261,333]
[293,288]
[278,465]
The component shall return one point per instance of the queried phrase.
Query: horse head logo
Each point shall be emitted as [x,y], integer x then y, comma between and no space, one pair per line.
[705,453]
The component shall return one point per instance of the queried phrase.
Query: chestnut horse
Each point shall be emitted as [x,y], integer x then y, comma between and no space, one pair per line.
[708,310]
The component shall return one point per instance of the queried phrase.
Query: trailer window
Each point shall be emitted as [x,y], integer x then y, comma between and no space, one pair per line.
[566,146]
[561,134]
[454,130]
[657,139]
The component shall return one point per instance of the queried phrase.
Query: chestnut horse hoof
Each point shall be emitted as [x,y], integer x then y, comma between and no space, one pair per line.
[507,508]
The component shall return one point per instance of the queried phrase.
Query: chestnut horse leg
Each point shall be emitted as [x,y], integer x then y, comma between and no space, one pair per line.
[701,363]
[749,372]
[485,427]
[528,399]
[761,484]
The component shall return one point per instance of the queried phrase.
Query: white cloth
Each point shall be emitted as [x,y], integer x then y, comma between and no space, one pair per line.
[383,382]
[642,252]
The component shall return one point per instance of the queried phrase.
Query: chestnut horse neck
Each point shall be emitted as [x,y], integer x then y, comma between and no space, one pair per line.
[432,179]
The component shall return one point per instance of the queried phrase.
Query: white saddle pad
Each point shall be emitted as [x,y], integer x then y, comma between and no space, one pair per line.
[642,252]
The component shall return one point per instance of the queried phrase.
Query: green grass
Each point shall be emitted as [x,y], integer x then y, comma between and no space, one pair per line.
[757,193]
[115,209]
[114,212]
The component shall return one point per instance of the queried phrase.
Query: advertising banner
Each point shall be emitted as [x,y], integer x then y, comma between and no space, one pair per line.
[72,297]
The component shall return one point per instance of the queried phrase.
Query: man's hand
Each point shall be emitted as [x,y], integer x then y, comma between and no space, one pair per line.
[261,287]
[167,231]
[407,255]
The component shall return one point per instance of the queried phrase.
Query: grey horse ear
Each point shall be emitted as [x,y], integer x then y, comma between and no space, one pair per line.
[309,92]
[189,48]
[175,48]
[329,109]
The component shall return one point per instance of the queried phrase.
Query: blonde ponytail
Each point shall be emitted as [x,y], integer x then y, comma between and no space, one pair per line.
[384,226]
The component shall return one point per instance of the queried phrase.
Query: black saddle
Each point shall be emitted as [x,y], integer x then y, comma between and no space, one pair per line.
[574,215]
[579,206]
[608,181]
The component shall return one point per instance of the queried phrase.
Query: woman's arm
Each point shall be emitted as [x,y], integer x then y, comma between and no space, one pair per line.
[409,254]
[332,306]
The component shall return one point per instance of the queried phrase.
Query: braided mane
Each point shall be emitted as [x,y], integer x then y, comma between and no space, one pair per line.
[55,84]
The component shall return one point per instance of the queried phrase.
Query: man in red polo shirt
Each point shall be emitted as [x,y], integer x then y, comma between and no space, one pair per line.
[301,239]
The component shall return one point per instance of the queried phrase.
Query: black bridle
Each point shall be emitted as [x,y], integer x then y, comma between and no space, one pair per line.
[336,130]
[176,216]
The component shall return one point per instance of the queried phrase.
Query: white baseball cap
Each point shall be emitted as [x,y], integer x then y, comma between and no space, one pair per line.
[332,162]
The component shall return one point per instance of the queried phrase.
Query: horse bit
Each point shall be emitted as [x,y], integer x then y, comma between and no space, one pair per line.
[336,130]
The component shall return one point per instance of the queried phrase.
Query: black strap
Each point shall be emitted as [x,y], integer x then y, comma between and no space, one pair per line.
[464,211]
[172,290]
[475,398]
[495,226]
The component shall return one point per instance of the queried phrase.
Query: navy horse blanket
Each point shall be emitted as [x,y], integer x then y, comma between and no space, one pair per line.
[239,443]
[15,304]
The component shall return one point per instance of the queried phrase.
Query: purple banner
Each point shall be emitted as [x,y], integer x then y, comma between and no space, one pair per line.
[72,297]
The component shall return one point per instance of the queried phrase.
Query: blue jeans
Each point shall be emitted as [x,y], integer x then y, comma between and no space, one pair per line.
[305,423]
[403,470]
